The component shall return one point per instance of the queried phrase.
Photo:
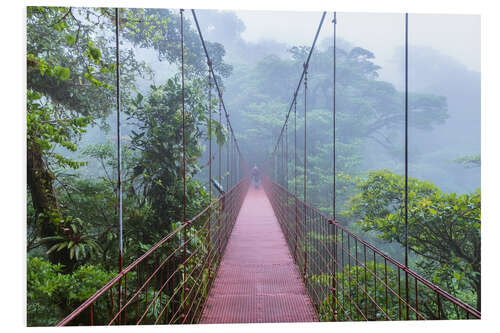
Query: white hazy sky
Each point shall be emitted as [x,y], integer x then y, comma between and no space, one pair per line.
[452,34]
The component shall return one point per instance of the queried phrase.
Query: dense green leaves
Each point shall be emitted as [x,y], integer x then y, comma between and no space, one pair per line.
[72,216]
[48,126]
[369,115]
[159,29]
[158,139]
[51,293]
[71,81]
[444,229]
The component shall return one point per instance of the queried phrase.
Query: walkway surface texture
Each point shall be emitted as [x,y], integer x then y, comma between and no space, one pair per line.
[257,281]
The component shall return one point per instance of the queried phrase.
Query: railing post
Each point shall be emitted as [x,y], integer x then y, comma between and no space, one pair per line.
[333,223]
[228,143]
[209,129]
[286,169]
[305,171]
[295,174]
[220,144]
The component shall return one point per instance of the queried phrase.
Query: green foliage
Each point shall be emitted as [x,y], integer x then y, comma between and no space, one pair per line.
[159,141]
[71,80]
[48,126]
[93,200]
[197,278]
[71,58]
[471,161]
[52,294]
[371,292]
[79,244]
[368,115]
[354,284]
[158,29]
[46,69]
[443,228]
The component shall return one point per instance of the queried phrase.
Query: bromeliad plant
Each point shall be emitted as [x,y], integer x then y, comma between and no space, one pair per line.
[79,244]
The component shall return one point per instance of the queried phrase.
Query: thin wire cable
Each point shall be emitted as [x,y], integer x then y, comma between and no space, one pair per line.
[209,143]
[334,114]
[228,144]
[119,189]
[183,116]
[286,161]
[301,76]
[118,143]
[305,169]
[183,153]
[220,145]
[209,133]
[295,173]
[406,140]
[406,162]
[305,133]
[334,207]
[219,90]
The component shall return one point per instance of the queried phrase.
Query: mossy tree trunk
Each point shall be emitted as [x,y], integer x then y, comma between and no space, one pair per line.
[49,217]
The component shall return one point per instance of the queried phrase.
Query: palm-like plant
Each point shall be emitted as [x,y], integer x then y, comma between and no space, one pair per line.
[79,244]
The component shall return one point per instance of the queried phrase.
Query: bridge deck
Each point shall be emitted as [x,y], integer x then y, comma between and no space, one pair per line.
[257,280]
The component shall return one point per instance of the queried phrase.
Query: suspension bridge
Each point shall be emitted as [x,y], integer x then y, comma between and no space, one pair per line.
[260,253]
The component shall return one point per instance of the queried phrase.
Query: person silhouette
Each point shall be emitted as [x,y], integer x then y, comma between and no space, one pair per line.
[256,177]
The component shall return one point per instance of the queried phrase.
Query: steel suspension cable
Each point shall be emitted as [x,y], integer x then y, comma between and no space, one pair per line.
[305,133]
[406,140]
[302,75]
[286,159]
[209,129]
[406,160]
[209,133]
[219,90]
[183,117]
[334,203]
[118,147]
[305,168]
[233,145]
[228,144]
[118,143]
[283,158]
[295,172]
[334,115]
[235,165]
[230,165]
[184,253]
[220,146]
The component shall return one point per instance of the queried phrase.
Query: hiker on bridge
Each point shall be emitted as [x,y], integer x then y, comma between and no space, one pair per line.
[256,177]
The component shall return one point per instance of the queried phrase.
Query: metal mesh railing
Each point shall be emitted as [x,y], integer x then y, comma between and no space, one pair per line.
[170,282]
[349,279]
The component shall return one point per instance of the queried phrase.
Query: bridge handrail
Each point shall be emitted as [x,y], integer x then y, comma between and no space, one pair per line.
[143,257]
[415,275]
[119,276]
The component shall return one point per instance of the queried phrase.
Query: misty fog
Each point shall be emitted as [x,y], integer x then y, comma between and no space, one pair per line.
[171,117]
[444,59]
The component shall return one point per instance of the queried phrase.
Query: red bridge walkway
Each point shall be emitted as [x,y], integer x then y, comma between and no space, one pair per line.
[257,281]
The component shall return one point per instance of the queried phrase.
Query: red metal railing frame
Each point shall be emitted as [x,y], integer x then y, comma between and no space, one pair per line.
[233,197]
[441,294]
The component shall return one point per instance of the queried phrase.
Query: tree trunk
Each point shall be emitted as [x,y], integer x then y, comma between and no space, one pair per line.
[49,217]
